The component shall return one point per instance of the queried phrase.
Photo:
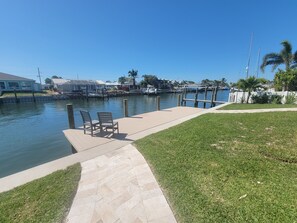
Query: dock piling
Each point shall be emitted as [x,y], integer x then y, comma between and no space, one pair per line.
[195,100]
[125,107]
[178,100]
[215,95]
[70,116]
[16,97]
[205,97]
[158,103]
[212,98]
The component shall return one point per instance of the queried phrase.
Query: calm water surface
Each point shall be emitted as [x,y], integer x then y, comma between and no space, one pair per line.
[31,134]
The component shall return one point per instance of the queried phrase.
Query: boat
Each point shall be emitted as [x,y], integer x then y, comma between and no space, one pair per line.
[150,90]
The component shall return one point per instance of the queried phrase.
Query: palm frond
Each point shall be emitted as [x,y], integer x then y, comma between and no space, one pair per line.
[271,59]
[295,57]
[287,47]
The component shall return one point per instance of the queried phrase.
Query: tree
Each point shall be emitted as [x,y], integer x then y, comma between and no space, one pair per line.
[285,56]
[122,80]
[56,77]
[206,82]
[133,74]
[48,81]
[286,80]
[250,84]
[150,79]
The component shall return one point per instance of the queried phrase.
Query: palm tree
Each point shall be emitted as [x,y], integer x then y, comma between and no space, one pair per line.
[250,84]
[122,80]
[133,74]
[285,56]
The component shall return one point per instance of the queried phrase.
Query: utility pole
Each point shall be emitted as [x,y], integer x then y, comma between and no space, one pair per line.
[39,76]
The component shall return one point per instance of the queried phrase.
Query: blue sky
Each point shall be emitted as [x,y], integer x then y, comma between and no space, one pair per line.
[104,39]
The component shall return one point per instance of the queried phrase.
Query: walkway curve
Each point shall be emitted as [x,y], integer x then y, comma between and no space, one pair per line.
[119,187]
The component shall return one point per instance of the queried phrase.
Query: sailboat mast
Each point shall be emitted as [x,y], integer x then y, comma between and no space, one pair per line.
[257,72]
[249,59]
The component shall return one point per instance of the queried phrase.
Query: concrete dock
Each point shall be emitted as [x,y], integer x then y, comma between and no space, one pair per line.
[128,126]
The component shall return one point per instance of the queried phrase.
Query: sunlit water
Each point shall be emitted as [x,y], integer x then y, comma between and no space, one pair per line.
[31,134]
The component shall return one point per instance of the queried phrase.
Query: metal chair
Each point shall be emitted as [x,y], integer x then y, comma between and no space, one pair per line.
[88,123]
[106,122]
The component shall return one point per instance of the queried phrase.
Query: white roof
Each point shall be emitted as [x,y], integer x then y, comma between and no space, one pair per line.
[100,82]
[112,83]
[59,81]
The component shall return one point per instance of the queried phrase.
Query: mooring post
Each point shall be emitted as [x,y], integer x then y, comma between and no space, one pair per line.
[178,100]
[196,99]
[158,103]
[185,97]
[70,116]
[215,95]
[125,107]
[16,97]
[205,97]
[212,97]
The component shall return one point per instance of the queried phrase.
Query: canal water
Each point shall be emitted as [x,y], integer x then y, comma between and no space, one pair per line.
[31,134]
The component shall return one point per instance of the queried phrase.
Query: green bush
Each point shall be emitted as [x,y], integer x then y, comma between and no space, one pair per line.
[260,99]
[290,98]
[267,99]
[276,99]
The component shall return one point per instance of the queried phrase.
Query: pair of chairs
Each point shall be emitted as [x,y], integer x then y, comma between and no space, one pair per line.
[105,122]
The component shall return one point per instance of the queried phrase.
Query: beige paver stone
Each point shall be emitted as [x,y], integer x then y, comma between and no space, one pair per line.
[156,208]
[123,190]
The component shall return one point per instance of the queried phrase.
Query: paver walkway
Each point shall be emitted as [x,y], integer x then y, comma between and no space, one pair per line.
[119,187]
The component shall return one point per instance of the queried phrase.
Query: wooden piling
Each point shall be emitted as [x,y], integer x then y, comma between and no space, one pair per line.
[196,97]
[212,97]
[16,97]
[215,95]
[158,103]
[70,116]
[185,97]
[178,100]
[205,97]
[125,107]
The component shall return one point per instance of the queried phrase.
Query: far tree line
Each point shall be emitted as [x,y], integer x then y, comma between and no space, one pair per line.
[284,79]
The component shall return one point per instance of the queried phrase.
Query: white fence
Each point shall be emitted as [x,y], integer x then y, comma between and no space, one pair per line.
[239,96]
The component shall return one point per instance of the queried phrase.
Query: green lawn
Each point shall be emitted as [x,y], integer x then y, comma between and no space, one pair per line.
[44,200]
[256,106]
[228,167]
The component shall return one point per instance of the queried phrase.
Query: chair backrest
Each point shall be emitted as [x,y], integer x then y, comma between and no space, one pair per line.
[85,116]
[105,117]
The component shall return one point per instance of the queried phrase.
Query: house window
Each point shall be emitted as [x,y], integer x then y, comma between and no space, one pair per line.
[26,85]
[13,85]
[2,85]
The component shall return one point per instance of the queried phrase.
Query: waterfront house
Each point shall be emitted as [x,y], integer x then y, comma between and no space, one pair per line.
[83,86]
[9,83]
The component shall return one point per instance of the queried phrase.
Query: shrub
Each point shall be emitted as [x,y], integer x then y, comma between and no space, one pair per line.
[260,99]
[276,99]
[290,98]
[265,99]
